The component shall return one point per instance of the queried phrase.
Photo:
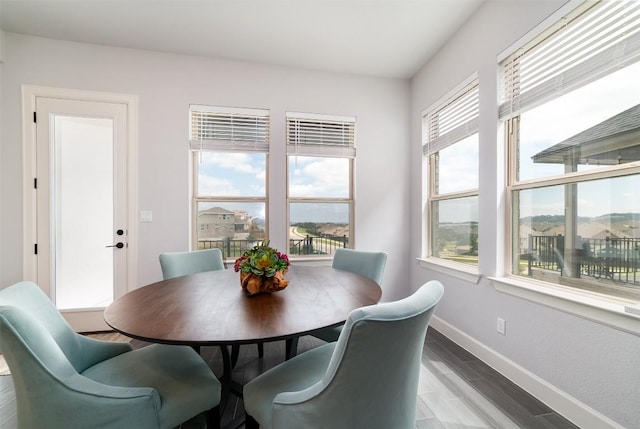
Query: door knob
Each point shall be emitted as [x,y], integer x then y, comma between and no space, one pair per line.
[118,245]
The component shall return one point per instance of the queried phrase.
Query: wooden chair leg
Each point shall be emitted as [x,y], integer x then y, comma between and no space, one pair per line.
[212,418]
[250,422]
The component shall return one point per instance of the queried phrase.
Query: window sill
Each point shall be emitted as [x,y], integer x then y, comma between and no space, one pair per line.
[468,273]
[311,260]
[617,313]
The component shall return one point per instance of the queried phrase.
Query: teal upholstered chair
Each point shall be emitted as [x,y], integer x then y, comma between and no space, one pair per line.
[177,264]
[370,264]
[66,380]
[367,379]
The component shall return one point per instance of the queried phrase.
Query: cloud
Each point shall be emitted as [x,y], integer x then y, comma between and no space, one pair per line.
[459,166]
[319,177]
[232,174]
[209,185]
[240,162]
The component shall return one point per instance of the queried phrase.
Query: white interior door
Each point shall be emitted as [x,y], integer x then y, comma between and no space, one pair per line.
[81,206]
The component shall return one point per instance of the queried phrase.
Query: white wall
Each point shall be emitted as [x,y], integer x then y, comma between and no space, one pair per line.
[1,127]
[166,84]
[1,182]
[587,370]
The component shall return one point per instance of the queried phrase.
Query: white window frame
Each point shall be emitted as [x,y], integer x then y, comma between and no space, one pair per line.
[338,142]
[227,129]
[608,310]
[464,122]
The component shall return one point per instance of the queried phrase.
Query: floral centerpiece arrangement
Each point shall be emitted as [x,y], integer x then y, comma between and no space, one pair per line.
[262,269]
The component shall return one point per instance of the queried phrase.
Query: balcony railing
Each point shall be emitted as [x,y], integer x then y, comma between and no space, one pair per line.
[322,245]
[229,248]
[319,245]
[616,259]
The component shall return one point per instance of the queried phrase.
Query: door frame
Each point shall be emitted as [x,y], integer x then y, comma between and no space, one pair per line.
[29,95]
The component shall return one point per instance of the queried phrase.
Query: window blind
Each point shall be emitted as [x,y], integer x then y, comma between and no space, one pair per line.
[452,120]
[229,129]
[320,135]
[592,41]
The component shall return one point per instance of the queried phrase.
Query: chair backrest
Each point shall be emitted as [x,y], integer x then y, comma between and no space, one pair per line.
[370,264]
[177,264]
[372,378]
[28,313]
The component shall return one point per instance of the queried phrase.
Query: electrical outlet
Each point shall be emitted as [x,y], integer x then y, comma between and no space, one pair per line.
[502,326]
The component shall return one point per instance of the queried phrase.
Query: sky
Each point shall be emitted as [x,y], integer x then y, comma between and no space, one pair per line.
[566,116]
[231,174]
[244,175]
[459,166]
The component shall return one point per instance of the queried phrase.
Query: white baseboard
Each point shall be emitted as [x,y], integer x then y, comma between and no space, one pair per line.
[564,404]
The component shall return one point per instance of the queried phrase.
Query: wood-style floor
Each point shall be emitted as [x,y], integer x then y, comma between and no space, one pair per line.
[456,390]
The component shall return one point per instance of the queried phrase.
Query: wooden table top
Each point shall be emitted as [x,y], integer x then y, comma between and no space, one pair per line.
[211,309]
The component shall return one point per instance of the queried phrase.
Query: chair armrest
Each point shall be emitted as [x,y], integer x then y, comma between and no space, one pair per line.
[81,402]
[86,386]
[290,398]
[94,351]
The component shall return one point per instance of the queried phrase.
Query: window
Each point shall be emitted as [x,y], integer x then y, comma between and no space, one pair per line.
[571,110]
[320,156]
[450,136]
[230,152]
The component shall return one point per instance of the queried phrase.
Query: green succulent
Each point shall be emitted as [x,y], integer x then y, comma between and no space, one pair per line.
[262,260]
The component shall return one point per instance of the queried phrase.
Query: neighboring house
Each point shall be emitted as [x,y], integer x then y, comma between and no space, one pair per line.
[525,238]
[594,230]
[217,223]
[613,141]
[242,222]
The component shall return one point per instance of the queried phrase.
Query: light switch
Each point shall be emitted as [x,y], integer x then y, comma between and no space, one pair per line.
[146,216]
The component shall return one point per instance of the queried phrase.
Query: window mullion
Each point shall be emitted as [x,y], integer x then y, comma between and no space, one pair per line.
[579,176]
[455,195]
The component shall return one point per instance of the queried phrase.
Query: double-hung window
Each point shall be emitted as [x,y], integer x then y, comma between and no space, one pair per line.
[450,147]
[230,152]
[571,110]
[320,154]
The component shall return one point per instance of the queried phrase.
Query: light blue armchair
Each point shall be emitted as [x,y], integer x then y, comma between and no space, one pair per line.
[367,379]
[177,264]
[66,380]
[370,264]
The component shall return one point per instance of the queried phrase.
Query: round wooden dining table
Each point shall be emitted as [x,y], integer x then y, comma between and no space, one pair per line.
[211,309]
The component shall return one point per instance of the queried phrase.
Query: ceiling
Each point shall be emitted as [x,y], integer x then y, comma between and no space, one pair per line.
[384,38]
